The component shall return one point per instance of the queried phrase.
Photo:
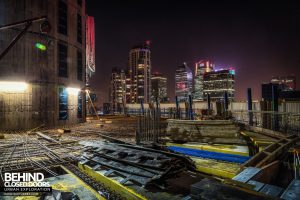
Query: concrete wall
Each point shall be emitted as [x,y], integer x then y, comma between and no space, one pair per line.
[36,106]
[214,131]
[39,104]
[292,107]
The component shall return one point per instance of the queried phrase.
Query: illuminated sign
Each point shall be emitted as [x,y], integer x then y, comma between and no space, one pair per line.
[90,47]
[232,71]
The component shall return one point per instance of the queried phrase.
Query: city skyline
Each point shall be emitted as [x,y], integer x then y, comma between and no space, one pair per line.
[260,42]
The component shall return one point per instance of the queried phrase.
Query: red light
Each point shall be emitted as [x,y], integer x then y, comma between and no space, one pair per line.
[181,86]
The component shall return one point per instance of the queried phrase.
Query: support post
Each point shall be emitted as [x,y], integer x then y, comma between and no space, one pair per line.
[208,103]
[138,132]
[187,113]
[226,103]
[191,114]
[177,108]
[275,107]
[142,107]
[157,104]
[249,95]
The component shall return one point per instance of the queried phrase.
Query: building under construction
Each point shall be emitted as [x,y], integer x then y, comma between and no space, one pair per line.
[42,64]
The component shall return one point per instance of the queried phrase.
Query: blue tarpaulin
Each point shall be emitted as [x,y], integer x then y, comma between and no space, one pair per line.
[210,155]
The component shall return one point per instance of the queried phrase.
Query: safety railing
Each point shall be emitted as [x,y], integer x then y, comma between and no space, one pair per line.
[149,128]
[173,113]
[288,123]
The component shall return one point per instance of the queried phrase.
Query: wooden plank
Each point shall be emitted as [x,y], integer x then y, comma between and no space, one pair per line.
[272,152]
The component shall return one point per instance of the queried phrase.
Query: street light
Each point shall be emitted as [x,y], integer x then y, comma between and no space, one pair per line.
[73,91]
[10,86]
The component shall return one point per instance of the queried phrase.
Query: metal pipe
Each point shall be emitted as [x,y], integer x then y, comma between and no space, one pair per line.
[88,93]
[14,41]
[11,25]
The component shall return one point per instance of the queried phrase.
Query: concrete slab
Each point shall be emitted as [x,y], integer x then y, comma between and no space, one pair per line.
[211,189]
[292,192]
[258,185]
[246,174]
[271,190]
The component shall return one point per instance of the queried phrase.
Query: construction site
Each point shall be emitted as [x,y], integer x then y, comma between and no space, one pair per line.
[56,145]
[146,157]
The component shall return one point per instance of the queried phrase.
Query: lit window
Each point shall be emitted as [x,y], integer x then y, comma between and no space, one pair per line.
[63,104]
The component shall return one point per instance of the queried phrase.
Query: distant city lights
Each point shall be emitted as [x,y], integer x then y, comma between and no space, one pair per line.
[231,70]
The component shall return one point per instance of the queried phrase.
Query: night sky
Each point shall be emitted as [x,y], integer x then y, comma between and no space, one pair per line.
[259,40]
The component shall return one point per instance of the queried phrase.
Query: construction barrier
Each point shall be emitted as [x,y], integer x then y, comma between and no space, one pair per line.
[210,155]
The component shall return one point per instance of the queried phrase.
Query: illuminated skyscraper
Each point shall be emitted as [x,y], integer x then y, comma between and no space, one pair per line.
[159,88]
[128,86]
[117,90]
[201,68]
[140,73]
[216,83]
[183,82]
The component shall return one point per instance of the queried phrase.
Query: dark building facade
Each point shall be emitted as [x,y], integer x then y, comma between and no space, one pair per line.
[285,83]
[216,83]
[43,74]
[293,95]
[273,91]
[106,108]
[267,90]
